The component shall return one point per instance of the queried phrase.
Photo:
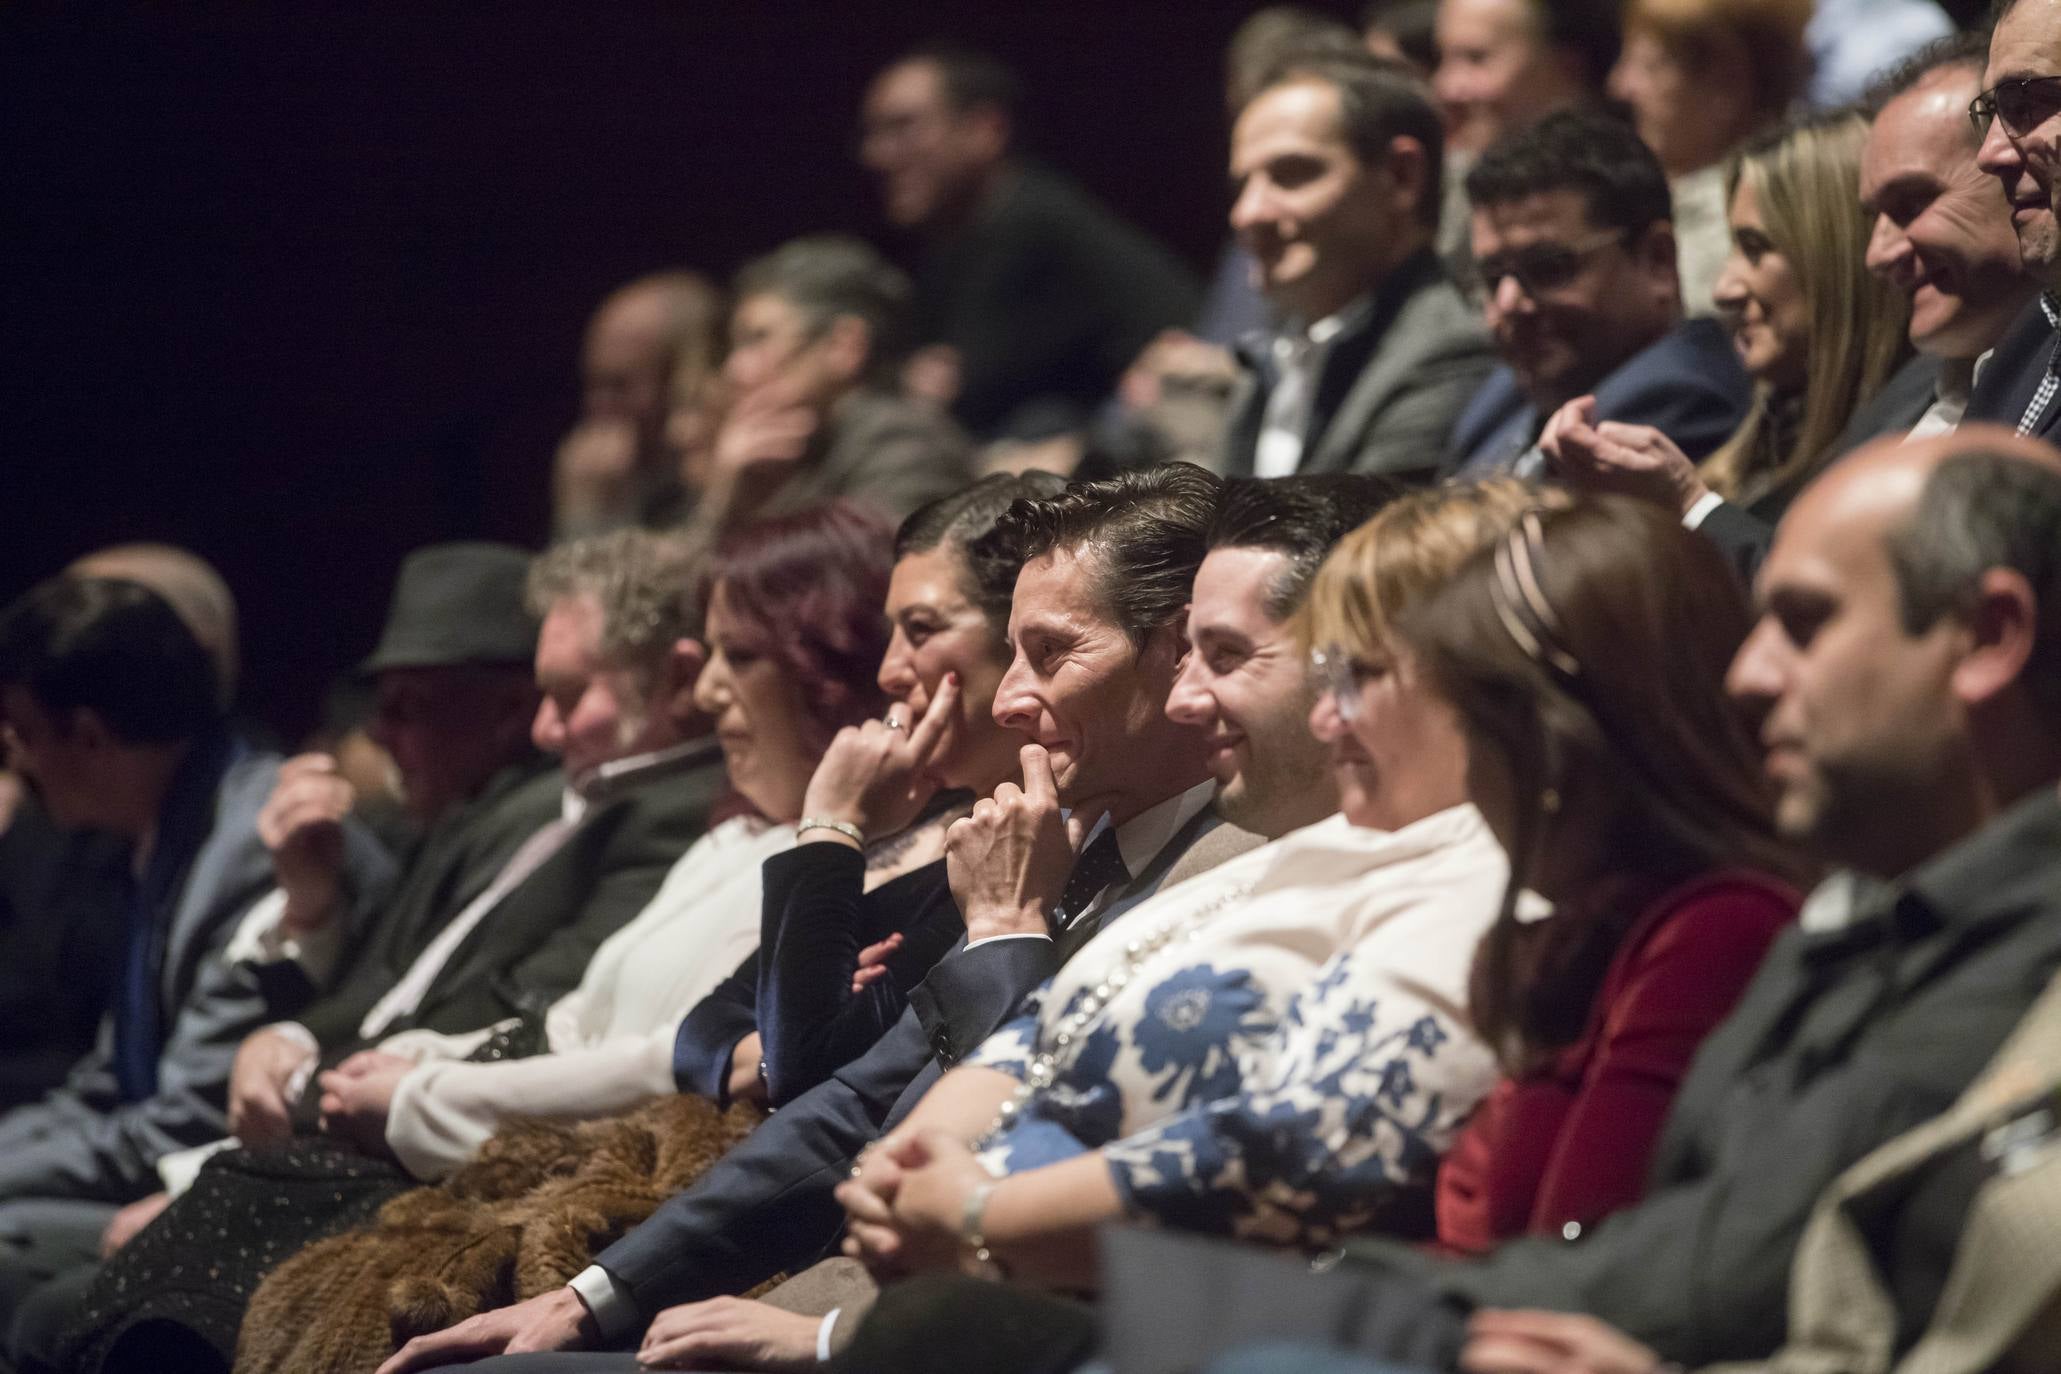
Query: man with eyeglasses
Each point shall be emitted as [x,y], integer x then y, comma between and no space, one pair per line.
[2018,118]
[1335,176]
[1574,248]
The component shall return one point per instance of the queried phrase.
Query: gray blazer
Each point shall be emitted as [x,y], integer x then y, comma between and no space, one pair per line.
[84,1141]
[1391,387]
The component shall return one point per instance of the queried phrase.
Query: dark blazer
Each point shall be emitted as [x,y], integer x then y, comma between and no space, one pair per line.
[767,1205]
[1745,533]
[2011,379]
[534,946]
[85,1140]
[1687,384]
[1845,1039]
[1389,388]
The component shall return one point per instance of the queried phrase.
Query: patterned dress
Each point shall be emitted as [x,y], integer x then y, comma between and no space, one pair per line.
[1281,1046]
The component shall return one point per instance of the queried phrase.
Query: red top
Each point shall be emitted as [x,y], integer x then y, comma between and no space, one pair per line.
[1572,1142]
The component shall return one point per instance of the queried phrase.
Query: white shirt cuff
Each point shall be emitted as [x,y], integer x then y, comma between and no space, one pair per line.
[823,1335]
[261,939]
[615,1312]
[998,939]
[178,1169]
[1694,517]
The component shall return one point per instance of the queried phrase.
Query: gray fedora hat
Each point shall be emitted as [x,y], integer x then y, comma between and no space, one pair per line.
[458,603]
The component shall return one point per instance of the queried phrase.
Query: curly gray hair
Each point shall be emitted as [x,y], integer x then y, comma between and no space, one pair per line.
[644,584]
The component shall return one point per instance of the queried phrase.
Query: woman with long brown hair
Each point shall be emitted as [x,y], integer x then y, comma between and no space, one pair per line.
[1585,654]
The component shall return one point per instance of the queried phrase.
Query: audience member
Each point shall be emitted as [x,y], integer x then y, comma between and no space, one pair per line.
[1404,31]
[1095,626]
[1701,77]
[1816,331]
[2020,123]
[113,715]
[1853,41]
[1336,169]
[1942,236]
[1649,831]
[816,343]
[61,893]
[1031,298]
[1503,65]
[616,467]
[1575,250]
[1176,392]
[1902,680]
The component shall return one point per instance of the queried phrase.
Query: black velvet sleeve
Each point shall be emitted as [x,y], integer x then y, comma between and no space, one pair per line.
[816,919]
[709,1034]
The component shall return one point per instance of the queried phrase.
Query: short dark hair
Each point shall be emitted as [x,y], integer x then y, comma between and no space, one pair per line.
[971,79]
[1985,509]
[961,520]
[1596,154]
[1301,518]
[1144,530]
[1954,50]
[1593,30]
[826,276]
[113,647]
[1413,24]
[1378,101]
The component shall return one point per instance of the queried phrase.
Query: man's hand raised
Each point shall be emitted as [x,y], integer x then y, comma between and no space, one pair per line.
[302,824]
[1008,862]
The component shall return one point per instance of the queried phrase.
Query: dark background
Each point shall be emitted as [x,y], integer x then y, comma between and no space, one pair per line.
[301,287]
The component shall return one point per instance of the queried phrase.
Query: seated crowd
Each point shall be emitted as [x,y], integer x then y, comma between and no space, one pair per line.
[1483,795]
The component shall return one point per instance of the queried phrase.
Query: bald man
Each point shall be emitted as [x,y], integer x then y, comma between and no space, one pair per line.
[190,584]
[649,341]
[1905,677]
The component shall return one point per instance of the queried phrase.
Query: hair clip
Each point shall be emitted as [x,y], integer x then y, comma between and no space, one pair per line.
[1520,598]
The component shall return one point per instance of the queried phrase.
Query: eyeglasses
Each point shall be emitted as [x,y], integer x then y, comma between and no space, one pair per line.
[1340,677]
[2023,105]
[1541,267]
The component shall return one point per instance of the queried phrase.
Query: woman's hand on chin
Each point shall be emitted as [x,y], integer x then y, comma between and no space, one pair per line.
[876,776]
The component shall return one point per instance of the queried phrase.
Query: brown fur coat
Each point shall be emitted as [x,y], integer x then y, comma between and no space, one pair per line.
[532,1211]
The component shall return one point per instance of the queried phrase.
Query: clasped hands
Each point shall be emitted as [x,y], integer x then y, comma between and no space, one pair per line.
[906,1203]
[357,1096]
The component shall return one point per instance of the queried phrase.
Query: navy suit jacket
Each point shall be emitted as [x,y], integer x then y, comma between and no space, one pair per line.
[2012,377]
[767,1205]
[1687,384]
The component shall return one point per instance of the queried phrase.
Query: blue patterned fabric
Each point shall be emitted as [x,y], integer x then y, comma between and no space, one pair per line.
[1280,1070]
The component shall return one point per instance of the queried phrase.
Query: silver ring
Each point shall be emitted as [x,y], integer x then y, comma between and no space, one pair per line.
[891,723]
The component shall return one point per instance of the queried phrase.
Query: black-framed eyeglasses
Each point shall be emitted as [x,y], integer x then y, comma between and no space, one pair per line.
[2023,105]
[1541,267]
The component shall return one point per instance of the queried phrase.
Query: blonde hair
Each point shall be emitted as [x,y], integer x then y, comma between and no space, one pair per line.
[1407,550]
[1806,177]
[1767,36]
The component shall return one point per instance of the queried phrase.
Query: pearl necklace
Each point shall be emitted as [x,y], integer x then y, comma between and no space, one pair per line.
[1044,1067]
